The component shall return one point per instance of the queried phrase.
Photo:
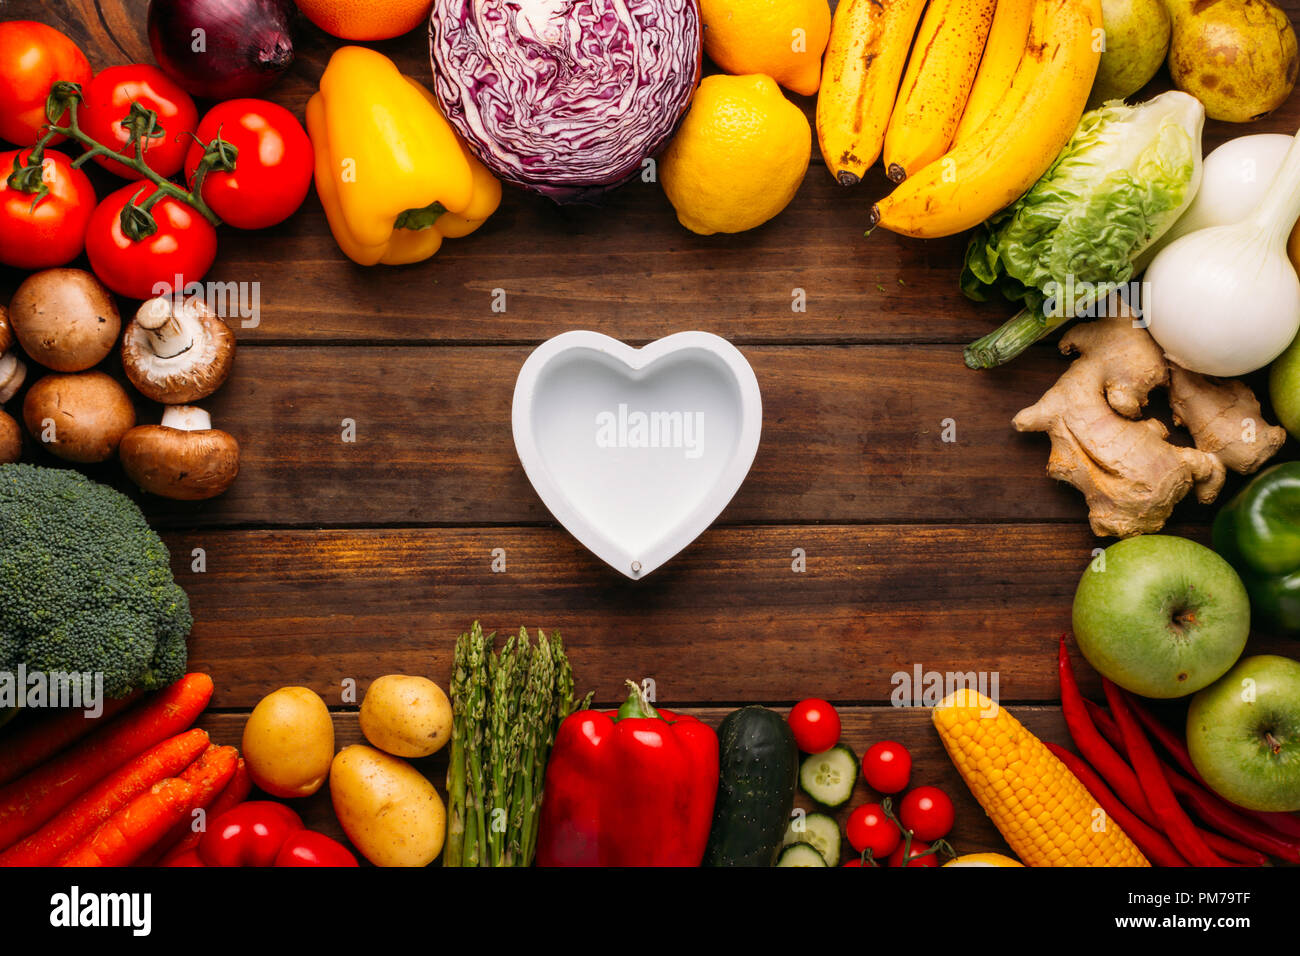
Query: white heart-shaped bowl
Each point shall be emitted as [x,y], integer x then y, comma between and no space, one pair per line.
[636,490]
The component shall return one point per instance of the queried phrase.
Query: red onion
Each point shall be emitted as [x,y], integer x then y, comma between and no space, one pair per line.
[220,49]
[566,97]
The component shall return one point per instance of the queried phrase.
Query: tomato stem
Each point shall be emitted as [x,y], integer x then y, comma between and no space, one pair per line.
[143,125]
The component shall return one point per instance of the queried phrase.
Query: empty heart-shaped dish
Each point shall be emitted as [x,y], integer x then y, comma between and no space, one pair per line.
[636,451]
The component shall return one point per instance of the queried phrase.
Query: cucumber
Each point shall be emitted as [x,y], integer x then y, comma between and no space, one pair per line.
[818,830]
[829,777]
[800,854]
[758,764]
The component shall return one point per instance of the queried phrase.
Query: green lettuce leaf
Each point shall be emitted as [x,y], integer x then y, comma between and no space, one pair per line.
[1125,176]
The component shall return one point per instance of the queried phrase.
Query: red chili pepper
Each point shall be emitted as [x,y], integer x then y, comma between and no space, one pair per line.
[1176,824]
[1235,828]
[1153,844]
[188,857]
[632,787]
[309,848]
[1099,754]
[251,834]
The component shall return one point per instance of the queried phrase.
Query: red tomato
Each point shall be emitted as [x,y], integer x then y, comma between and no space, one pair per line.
[107,101]
[182,249]
[887,766]
[927,812]
[32,57]
[857,862]
[869,829]
[54,232]
[184,858]
[913,855]
[250,834]
[272,171]
[816,725]
[308,848]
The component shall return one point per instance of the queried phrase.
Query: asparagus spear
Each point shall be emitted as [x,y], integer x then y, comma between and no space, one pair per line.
[453,852]
[479,652]
[507,690]
[537,723]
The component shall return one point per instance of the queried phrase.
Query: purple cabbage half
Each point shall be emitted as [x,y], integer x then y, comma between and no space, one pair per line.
[565,97]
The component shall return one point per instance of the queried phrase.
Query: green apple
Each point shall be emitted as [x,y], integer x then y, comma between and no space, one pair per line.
[1243,732]
[1284,387]
[1161,616]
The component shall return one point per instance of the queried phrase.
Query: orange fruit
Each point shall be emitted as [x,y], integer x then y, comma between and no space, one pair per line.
[366,19]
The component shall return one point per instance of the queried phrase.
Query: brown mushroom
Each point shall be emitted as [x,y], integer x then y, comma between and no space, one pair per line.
[177,352]
[11,440]
[65,319]
[12,369]
[79,417]
[184,458]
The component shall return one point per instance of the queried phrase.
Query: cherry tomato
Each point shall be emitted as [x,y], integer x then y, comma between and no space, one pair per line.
[272,171]
[927,812]
[54,231]
[913,855]
[32,57]
[182,249]
[816,725]
[107,100]
[308,848]
[887,766]
[869,829]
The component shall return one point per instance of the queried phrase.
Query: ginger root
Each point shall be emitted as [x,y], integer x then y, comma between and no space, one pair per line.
[1130,475]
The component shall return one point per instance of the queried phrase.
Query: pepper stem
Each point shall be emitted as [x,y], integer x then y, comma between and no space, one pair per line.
[637,703]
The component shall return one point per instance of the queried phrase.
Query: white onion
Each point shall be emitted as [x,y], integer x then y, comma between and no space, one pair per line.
[1225,300]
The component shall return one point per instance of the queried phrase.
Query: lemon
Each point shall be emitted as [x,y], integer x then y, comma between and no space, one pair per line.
[983,859]
[739,156]
[782,38]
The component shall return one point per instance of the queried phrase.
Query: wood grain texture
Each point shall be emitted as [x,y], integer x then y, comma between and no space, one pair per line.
[863,726]
[850,434]
[727,621]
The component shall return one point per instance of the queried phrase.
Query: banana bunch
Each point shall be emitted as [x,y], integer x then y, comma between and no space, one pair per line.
[992,91]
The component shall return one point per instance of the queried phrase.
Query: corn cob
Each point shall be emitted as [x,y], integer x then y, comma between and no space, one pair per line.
[1041,809]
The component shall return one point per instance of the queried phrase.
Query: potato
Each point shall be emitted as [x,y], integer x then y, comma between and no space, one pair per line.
[289,742]
[389,811]
[406,716]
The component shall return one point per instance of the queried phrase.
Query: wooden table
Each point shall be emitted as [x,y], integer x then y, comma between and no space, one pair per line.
[330,561]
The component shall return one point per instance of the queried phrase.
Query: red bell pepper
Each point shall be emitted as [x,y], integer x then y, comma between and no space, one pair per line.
[631,787]
[309,848]
[250,834]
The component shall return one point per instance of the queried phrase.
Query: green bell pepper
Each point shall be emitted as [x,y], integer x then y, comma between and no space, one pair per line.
[1258,533]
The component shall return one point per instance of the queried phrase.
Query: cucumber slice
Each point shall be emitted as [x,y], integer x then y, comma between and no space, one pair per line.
[829,777]
[800,854]
[820,831]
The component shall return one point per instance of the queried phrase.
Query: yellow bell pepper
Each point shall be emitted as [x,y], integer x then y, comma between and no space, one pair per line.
[392,174]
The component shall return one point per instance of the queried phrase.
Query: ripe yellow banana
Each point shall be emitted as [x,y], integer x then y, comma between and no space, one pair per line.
[1002,52]
[1020,138]
[945,59]
[864,60]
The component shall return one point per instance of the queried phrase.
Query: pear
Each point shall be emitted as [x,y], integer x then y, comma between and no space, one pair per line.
[1137,39]
[1238,57]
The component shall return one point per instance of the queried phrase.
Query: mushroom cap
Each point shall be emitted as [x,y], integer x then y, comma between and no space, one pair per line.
[11,440]
[12,375]
[88,413]
[183,465]
[64,319]
[193,374]
[6,331]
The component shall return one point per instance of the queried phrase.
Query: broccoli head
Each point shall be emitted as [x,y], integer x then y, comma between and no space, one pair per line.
[85,583]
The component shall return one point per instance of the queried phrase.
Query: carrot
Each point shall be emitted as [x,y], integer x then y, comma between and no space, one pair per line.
[31,801]
[1173,820]
[135,827]
[101,801]
[1153,844]
[185,838]
[138,826]
[29,747]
